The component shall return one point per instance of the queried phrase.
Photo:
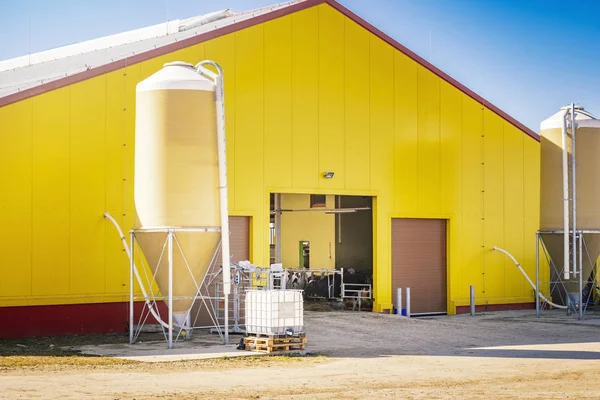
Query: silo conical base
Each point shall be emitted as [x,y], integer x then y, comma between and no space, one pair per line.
[192,256]
[561,288]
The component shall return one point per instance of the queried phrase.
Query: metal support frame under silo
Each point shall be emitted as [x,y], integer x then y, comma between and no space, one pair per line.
[151,299]
[555,285]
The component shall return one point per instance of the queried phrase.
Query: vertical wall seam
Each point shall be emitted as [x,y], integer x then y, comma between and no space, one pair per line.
[504,216]
[417,141]
[318,93]
[394,166]
[482,158]
[440,147]
[232,147]
[461,204]
[344,67]
[70,155]
[369,116]
[264,131]
[291,76]
[123,213]
[32,130]
[105,175]
[522,137]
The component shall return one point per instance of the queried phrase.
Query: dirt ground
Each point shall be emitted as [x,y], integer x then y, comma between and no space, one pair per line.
[507,355]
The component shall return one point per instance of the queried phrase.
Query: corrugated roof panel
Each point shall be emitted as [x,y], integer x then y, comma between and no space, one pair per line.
[26,77]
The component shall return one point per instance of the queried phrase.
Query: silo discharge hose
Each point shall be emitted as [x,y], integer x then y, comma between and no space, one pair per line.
[137,274]
[529,280]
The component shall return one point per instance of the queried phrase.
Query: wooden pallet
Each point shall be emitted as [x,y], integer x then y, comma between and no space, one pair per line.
[274,344]
[272,336]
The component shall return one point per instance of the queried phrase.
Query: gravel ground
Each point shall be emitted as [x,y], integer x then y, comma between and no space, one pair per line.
[363,355]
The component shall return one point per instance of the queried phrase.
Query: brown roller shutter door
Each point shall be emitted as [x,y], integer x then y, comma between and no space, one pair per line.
[239,249]
[419,262]
[239,239]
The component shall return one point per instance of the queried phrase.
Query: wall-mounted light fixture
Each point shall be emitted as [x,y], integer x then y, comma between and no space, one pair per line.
[328,175]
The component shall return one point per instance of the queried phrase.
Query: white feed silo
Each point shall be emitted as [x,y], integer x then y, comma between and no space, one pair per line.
[180,183]
[569,196]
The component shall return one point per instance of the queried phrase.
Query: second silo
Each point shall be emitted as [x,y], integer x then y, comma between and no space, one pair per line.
[565,202]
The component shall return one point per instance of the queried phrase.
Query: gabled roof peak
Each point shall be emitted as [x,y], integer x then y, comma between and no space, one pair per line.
[20,83]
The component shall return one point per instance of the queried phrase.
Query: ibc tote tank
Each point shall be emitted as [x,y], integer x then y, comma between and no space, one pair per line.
[587,157]
[177,175]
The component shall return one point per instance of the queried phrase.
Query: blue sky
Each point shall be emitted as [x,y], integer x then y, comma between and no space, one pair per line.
[528,57]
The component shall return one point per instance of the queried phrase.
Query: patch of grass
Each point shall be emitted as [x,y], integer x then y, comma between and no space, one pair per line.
[54,345]
[57,353]
[80,364]
[15,362]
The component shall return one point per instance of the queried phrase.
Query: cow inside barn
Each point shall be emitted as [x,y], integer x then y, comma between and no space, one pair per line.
[325,284]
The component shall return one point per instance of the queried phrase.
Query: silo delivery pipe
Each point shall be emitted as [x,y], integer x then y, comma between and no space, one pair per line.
[222,152]
[529,280]
[573,190]
[137,274]
[565,171]
[223,197]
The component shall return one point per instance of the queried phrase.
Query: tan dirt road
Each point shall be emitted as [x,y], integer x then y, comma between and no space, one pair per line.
[499,356]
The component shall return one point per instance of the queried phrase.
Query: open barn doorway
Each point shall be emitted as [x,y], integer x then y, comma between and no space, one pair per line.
[325,242]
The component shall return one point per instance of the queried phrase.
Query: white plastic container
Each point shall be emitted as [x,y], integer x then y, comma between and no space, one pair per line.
[274,312]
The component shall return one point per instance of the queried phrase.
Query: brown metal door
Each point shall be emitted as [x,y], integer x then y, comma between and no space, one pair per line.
[239,239]
[419,262]
[239,249]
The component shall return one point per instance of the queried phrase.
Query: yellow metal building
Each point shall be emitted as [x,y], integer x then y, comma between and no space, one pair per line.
[310,87]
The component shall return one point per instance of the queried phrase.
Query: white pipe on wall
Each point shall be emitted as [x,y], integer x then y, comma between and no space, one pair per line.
[527,277]
[565,171]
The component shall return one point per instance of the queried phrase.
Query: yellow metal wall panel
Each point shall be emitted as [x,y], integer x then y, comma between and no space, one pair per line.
[87,186]
[381,118]
[193,54]
[223,50]
[51,187]
[471,267]
[493,203]
[405,134]
[305,99]
[450,143]
[381,126]
[131,79]
[356,106]
[451,177]
[278,102]
[531,209]
[249,133]
[117,265]
[428,146]
[16,199]
[331,69]
[514,240]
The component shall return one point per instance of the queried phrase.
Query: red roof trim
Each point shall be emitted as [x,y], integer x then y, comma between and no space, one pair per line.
[430,67]
[113,66]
